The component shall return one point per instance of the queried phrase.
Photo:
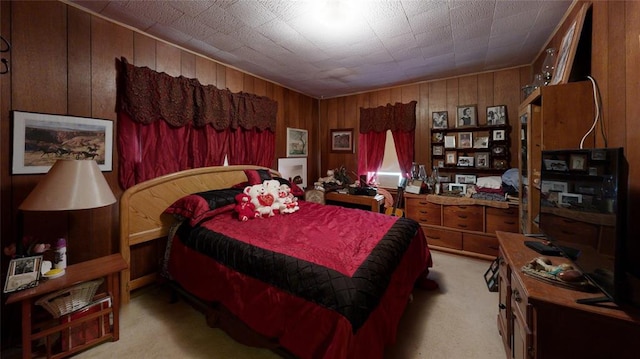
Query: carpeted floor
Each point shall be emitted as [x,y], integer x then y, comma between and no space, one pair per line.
[458,320]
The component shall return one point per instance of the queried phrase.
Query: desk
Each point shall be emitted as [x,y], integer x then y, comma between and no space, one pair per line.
[109,267]
[373,202]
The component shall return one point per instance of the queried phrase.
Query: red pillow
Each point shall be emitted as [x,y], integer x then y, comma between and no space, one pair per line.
[257,176]
[199,206]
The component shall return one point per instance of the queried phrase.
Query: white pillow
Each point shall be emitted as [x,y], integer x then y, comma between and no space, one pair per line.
[494,182]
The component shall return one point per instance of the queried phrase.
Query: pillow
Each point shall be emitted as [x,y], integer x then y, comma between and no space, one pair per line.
[257,176]
[198,206]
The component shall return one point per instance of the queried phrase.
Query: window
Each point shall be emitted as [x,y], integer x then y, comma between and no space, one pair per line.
[389,174]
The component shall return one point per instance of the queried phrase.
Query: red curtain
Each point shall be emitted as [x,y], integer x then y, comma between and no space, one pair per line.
[405,147]
[371,153]
[168,124]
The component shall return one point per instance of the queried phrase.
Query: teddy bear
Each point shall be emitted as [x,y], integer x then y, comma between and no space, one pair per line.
[262,200]
[244,208]
[288,203]
[272,187]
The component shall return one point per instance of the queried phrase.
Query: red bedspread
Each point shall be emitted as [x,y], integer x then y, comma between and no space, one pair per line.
[294,277]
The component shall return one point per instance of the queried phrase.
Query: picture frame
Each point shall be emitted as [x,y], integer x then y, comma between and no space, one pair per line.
[465,139]
[499,163]
[449,141]
[567,51]
[23,273]
[553,186]
[466,179]
[40,139]
[578,162]
[497,115]
[438,150]
[569,199]
[457,187]
[437,137]
[598,155]
[414,186]
[465,161]
[499,135]
[440,119]
[297,142]
[440,163]
[451,158]
[342,140]
[498,150]
[482,159]
[481,142]
[467,116]
[294,168]
[555,165]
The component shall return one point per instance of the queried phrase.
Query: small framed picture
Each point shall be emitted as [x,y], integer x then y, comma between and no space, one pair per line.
[555,165]
[482,159]
[498,150]
[458,187]
[481,142]
[599,155]
[578,162]
[498,135]
[297,140]
[465,161]
[499,163]
[449,141]
[23,273]
[342,140]
[553,186]
[467,116]
[465,140]
[466,179]
[414,186]
[496,115]
[438,150]
[440,119]
[437,137]
[440,163]
[451,158]
[569,199]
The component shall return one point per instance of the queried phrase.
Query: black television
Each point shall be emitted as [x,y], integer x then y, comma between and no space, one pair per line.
[583,211]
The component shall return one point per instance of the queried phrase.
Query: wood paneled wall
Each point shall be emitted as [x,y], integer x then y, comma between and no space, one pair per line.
[484,90]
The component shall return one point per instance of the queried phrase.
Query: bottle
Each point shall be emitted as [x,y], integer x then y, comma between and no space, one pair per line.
[415,172]
[60,260]
[436,180]
[548,66]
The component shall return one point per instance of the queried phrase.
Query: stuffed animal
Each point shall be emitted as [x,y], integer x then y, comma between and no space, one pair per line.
[272,187]
[261,199]
[244,208]
[287,201]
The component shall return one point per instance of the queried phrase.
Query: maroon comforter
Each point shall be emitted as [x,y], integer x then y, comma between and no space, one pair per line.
[326,281]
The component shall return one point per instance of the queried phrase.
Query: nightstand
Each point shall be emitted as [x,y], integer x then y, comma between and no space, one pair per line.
[108,267]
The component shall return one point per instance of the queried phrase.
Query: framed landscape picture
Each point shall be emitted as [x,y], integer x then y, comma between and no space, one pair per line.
[342,140]
[297,141]
[39,140]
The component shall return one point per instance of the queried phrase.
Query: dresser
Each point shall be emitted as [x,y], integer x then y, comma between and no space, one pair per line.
[541,320]
[462,225]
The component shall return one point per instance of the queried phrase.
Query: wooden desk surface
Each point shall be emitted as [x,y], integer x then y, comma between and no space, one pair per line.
[372,201]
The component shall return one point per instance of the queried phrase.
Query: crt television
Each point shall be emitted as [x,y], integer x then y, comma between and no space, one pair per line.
[583,210]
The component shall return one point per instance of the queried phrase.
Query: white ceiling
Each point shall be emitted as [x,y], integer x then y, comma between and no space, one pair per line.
[358,45]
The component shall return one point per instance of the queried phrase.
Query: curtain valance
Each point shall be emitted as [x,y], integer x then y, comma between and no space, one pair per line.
[398,117]
[147,96]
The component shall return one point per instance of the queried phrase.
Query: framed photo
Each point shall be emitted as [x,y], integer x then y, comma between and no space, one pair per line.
[569,199]
[449,141]
[342,140]
[499,163]
[440,163]
[496,115]
[451,158]
[466,179]
[481,142]
[294,169]
[440,119]
[467,116]
[414,186]
[553,186]
[465,140]
[465,161]
[39,140]
[438,150]
[437,137]
[599,155]
[567,50]
[23,273]
[482,159]
[458,187]
[297,141]
[578,162]
[498,135]
[555,165]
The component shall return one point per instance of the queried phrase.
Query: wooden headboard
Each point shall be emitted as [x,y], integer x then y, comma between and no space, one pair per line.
[142,217]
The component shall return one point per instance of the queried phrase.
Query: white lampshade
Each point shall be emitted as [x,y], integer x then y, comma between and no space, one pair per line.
[69,185]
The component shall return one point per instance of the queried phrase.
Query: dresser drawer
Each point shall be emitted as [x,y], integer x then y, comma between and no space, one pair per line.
[463,217]
[443,238]
[499,219]
[480,244]
[422,211]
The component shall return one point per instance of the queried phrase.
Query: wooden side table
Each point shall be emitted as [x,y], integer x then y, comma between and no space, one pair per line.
[109,267]
[373,202]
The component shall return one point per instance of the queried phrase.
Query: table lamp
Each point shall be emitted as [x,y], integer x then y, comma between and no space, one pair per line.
[69,185]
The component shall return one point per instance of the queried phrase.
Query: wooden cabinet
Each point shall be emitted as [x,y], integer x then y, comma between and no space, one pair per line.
[109,267]
[539,320]
[552,117]
[462,225]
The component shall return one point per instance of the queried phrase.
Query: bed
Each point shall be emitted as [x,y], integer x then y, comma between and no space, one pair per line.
[322,282]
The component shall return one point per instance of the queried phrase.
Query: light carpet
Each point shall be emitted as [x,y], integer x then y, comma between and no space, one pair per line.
[458,320]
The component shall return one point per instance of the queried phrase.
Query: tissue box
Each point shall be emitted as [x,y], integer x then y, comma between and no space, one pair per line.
[86,331]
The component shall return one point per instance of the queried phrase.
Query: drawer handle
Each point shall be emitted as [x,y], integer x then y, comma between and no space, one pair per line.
[516,296]
[462,216]
[423,219]
[502,306]
[423,212]
[510,222]
[423,202]
[501,261]
[433,237]
[462,225]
